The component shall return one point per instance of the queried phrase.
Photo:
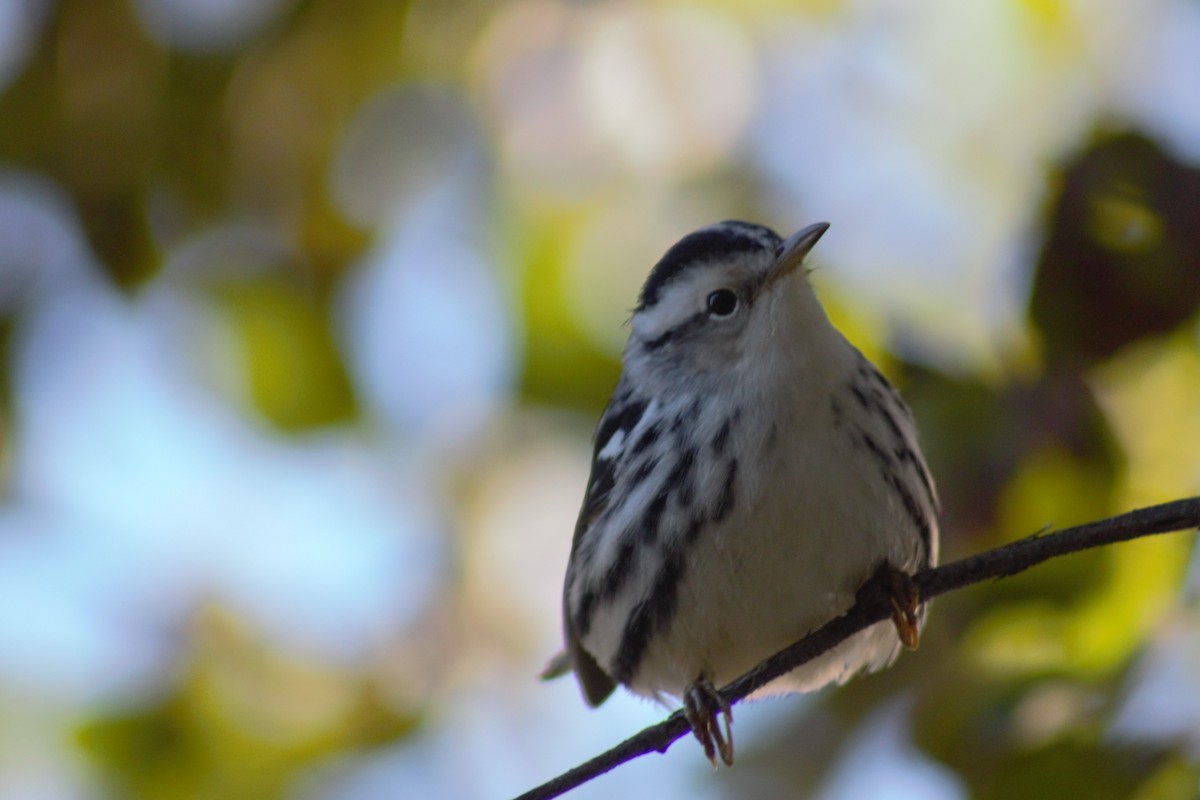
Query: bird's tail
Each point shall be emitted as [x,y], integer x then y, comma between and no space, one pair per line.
[556,667]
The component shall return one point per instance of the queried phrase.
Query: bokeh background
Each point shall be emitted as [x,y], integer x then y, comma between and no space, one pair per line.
[308,308]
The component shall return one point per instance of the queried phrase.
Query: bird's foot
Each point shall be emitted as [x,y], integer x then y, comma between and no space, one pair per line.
[906,602]
[897,587]
[703,707]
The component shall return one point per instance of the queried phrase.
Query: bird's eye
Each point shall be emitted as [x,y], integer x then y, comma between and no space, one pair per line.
[722,303]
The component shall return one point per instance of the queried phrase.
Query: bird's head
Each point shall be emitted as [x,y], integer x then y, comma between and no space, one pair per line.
[719,297]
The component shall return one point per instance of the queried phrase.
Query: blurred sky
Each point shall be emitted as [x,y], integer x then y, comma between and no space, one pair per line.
[507,186]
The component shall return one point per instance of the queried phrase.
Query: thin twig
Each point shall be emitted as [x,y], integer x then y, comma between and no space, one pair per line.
[873,607]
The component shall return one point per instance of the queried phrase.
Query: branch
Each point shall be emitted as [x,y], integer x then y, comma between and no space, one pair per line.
[873,607]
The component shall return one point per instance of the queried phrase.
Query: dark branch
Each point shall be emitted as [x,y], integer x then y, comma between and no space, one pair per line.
[873,606]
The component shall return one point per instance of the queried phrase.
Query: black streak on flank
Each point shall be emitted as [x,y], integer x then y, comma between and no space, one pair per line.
[623,414]
[704,246]
[879,452]
[860,396]
[684,417]
[871,371]
[915,512]
[653,515]
[647,437]
[651,615]
[614,578]
[886,412]
[876,402]
[618,571]
[681,476]
[728,493]
[902,451]
[906,454]
[721,440]
[643,471]
[887,471]
[604,477]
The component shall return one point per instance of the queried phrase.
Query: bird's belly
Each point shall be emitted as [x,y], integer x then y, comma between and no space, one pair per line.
[780,566]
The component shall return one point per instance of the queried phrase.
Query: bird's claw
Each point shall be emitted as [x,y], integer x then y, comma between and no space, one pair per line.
[906,603]
[702,704]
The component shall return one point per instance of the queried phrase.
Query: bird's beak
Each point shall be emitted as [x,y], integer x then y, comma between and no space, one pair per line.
[793,251]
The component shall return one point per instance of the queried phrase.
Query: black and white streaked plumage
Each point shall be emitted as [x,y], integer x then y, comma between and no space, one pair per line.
[752,471]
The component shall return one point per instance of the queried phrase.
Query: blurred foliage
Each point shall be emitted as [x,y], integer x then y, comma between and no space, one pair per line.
[562,365]
[128,127]
[238,722]
[1017,680]
[1119,263]
[296,374]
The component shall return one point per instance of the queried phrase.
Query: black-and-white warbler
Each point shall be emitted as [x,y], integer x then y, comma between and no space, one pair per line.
[752,471]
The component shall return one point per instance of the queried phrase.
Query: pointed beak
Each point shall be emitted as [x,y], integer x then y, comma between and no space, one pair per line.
[793,251]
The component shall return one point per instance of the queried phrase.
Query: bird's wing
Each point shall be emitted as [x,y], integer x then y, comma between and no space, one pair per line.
[597,685]
[620,417]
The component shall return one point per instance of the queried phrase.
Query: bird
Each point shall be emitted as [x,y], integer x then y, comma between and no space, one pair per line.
[752,471]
